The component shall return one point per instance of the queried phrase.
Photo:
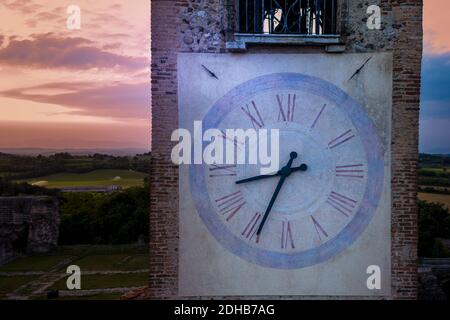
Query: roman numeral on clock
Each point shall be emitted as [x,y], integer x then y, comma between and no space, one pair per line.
[350,171]
[227,170]
[341,203]
[346,136]
[254,115]
[286,235]
[319,229]
[251,227]
[232,139]
[230,204]
[286,113]
[318,116]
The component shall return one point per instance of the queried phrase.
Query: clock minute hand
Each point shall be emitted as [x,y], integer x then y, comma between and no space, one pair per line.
[285,172]
[272,201]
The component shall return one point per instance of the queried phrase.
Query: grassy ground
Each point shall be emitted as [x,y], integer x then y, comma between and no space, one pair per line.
[101,296]
[101,262]
[91,258]
[33,263]
[121,262]
[124,178]
[102,281]
[88,249]
[9,284]
[433,197]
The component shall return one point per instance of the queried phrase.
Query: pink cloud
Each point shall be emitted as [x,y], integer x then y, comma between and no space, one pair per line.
[50,51]
[23,6]
[118,100]
[436,25]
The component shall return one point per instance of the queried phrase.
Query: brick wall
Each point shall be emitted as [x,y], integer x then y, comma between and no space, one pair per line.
[204,26]
[165,42]
[405,124]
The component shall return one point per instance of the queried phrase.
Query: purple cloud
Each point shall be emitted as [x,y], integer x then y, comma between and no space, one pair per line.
[116,100]
[49,51]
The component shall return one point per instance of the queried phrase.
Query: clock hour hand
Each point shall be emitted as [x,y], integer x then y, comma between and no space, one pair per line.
[302,167]
[284,172]
[263,176]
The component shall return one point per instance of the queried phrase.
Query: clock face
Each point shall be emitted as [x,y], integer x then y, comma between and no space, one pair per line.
[319,211]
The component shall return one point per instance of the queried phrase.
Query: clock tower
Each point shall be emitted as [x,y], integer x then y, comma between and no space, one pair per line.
[340,82]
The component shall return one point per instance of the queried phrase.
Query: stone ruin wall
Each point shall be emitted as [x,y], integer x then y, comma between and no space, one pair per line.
[28,221]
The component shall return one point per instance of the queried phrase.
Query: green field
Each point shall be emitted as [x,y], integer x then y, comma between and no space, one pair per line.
[434,179]
[96,178]
[436,170]
[438,198]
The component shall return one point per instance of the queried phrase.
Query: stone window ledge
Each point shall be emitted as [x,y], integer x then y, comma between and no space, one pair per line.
[332,43]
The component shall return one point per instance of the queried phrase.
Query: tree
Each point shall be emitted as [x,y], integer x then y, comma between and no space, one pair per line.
[116,218]
[434,223]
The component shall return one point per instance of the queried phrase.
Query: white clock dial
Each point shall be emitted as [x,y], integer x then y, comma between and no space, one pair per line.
[313,206]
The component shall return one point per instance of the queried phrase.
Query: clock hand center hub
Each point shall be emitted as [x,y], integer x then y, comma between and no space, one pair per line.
[286,170]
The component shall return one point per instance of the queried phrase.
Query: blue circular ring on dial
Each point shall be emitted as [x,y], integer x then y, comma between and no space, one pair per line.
[372,194]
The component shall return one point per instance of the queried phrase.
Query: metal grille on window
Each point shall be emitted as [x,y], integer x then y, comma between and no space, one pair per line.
[303,17]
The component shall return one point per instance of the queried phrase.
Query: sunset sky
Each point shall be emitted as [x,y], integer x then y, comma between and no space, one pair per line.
[86,88]
[89,88]
[435,101]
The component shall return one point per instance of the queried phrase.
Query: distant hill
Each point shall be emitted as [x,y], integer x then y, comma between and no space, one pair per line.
[21,167]
[48,152]
[434,160]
